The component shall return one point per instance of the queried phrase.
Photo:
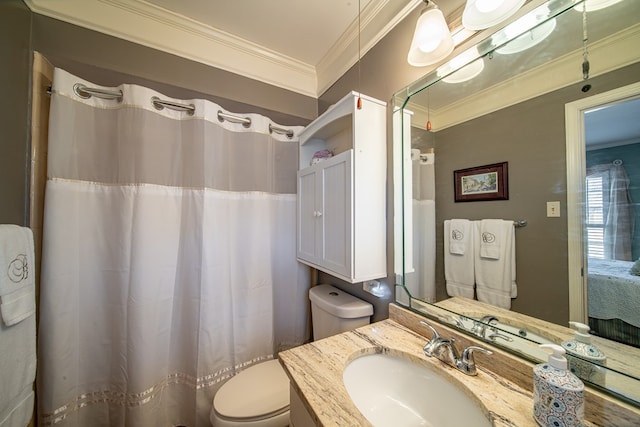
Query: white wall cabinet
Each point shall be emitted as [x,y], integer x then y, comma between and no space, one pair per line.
[342,200]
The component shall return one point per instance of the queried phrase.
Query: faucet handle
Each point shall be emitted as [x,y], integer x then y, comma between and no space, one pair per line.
[497,335]
[435,333]
[489,318]
[430,345]
[467,362]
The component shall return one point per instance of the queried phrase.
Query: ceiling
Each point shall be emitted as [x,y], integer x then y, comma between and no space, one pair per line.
[613,125]
[301,45]
[303,30]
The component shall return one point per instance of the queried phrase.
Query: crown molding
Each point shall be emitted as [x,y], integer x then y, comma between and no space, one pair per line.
[611,53]
[147,24]
[376,21]
[158,28]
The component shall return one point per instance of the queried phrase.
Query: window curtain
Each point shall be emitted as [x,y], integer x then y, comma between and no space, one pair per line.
[169,260]
[617,210]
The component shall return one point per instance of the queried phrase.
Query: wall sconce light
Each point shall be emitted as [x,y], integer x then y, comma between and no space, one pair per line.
[527,31]
[463,72]
[432,40]
[481,14]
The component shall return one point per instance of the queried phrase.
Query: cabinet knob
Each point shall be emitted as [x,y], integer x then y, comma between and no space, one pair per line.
[317,214]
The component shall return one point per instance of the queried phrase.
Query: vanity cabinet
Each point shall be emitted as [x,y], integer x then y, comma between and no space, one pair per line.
[299,416]
[342,199]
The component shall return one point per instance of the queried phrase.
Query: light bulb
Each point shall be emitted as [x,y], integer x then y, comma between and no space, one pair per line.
[432,40]
[481,14]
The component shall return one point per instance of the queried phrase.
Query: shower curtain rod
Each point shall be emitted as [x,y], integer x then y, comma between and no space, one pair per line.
[87,92]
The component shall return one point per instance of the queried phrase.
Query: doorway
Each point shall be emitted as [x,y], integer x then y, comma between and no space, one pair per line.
[576,137]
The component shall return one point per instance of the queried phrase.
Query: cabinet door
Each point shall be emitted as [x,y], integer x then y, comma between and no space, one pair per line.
[336,213]
[308,215]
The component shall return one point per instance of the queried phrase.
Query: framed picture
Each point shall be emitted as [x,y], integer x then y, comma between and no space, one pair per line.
[489,182]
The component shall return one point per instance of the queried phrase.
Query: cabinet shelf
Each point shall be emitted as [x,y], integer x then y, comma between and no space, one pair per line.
[342,200]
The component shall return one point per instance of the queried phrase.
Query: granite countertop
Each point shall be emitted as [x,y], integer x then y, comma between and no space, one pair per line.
[315,371]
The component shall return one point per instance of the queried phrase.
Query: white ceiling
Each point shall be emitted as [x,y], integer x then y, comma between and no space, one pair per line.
[303,30]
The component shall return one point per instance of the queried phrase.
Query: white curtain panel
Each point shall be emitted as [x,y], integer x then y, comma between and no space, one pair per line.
[618,211]
[168,258]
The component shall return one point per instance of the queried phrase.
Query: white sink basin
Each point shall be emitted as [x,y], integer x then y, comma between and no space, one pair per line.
[392,391]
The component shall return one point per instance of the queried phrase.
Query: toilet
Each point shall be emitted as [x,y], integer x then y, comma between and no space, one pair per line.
[259,395]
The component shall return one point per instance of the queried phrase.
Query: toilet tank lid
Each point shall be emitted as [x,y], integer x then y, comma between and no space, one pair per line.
[339,303]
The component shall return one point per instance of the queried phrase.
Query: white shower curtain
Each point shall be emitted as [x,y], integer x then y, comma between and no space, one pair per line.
[168,257]
[421,282]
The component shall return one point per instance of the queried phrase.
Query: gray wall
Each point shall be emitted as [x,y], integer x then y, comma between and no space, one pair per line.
[383,71]
[15,76]
[107,60]
[531,137]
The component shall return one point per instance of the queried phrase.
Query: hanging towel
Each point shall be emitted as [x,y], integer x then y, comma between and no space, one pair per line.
[20,410]
[18,331]
[496,278]
[17,284]
[459,236]
[491,238]
[459,268]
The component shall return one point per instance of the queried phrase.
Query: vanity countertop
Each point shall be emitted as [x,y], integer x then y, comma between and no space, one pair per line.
[315,370]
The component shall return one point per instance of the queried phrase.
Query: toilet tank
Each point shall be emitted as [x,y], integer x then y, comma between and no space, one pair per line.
[334,311]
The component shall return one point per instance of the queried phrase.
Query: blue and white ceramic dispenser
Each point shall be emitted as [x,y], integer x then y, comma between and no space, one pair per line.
[558,395]
[589,356]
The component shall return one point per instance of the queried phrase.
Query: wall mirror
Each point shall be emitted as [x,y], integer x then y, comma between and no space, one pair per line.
[530,103]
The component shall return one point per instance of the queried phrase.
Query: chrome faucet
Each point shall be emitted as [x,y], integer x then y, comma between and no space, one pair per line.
[445,350]
[480,326]
[467,363]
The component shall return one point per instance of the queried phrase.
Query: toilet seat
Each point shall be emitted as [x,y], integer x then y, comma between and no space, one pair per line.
[259,392]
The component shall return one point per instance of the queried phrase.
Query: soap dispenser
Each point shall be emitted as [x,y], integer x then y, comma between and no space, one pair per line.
[588,355]
[558,395]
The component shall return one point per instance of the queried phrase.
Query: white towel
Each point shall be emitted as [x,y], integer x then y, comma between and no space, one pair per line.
[18,305]
[496,278]
[20,410]
[460,235]
[17,284]
[491,237]
[18,333]
[459,268]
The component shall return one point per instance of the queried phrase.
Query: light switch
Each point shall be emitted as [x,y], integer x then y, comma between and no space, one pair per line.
[553,209]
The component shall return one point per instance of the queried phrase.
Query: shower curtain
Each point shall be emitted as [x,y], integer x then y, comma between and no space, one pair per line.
[169,258]
[421,281]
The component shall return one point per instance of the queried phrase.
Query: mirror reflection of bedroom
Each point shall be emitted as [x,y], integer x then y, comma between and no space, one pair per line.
[612,230]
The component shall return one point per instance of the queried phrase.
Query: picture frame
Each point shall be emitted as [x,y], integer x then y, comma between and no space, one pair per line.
[482,183]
